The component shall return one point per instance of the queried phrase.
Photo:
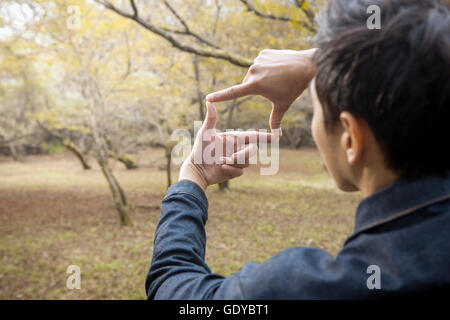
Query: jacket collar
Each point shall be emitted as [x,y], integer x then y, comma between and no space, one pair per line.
[399,196]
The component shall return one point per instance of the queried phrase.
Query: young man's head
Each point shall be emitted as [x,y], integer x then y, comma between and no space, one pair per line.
[382,96]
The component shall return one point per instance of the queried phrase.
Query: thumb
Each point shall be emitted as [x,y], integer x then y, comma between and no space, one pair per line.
[276,116]
[211,116]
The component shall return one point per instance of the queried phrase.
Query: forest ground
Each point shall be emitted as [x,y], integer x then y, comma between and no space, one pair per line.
[54,214]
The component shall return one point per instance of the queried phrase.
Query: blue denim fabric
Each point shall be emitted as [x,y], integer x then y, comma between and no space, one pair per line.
[412,251]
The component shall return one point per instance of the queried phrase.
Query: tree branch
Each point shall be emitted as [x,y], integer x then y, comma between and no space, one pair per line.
[187,30]
[260,14]
[308,12]
[48,131]
[133,5]
[200,95]
[216,53]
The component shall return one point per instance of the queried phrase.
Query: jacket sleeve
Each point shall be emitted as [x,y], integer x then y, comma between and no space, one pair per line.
[178,269]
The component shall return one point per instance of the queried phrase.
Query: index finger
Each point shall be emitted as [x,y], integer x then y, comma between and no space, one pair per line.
[234,92]
[247,137]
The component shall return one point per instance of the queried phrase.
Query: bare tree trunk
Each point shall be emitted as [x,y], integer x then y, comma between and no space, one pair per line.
[123,198]
[168,154]
[94,97]
[169,166]
[230,114]
[14,154]
[223,186]
[75,150]
[201,106]
[117,193]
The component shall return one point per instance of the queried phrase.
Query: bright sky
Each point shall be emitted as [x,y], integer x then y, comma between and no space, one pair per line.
[15,17]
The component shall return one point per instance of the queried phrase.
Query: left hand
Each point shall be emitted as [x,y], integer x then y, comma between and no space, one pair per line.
[211,161]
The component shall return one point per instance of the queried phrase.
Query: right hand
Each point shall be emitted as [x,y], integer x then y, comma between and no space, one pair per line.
[279,76]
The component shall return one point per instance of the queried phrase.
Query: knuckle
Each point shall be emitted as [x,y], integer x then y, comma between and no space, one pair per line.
[253,69]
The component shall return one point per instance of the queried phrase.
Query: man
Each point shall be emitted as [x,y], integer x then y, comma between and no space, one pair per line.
[381,113]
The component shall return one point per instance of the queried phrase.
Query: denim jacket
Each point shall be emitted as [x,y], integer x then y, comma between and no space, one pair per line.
[400,247]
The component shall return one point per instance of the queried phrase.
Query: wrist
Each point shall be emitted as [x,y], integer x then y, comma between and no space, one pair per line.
[306,62]
[191,172]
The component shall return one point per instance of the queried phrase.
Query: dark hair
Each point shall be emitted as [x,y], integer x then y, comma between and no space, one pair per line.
[396,78]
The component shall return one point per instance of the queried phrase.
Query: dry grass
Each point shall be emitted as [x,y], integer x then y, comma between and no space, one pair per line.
[53,214]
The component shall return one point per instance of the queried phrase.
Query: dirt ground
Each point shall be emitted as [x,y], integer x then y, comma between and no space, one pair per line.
[53,214]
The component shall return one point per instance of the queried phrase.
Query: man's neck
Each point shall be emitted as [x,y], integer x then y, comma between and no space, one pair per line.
[373,180]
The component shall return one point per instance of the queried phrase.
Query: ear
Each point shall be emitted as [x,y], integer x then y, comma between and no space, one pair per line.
[352,139]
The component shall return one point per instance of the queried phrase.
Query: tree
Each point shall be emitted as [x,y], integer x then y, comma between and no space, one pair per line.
[125,74]
[15,98]
[83,92]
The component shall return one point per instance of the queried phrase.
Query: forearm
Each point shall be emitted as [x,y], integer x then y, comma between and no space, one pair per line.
[178,269]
